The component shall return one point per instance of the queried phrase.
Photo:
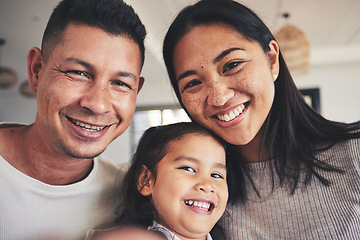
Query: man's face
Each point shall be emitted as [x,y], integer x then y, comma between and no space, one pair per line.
[86,91]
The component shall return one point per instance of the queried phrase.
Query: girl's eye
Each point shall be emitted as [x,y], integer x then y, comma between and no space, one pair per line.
[231,68]
[187,168]
[192,83]
[216,175]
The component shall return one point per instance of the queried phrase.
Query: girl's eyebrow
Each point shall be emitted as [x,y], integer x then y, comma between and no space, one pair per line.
[217,59]
[197,161]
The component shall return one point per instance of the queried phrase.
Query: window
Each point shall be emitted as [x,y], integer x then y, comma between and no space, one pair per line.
[147,117]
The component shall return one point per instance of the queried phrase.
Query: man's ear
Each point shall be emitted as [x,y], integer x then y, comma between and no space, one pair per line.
[146,181]
[273,55]
[35,63]
[141,83]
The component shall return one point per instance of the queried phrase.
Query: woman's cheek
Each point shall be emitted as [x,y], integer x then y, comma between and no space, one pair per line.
[191,103]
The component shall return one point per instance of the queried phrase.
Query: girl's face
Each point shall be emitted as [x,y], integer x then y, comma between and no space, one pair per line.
[190,191]
[226,82]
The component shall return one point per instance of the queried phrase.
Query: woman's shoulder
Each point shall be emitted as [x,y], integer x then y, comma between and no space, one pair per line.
[342,152]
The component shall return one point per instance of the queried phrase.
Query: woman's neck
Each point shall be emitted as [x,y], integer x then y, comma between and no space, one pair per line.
[252,151]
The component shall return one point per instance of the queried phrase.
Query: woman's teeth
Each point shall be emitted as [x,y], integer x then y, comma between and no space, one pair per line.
[87,126]
[202,205]
[233,114]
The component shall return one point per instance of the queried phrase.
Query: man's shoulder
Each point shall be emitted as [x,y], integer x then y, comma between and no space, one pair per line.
[9,132]
[10,125]
[7,129]
[109,165]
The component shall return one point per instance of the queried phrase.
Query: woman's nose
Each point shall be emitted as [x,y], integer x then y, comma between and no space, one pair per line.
[218,93]
[97,99]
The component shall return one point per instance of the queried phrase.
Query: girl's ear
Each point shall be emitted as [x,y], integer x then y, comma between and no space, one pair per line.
[145,182]
[35,64]
[273,55]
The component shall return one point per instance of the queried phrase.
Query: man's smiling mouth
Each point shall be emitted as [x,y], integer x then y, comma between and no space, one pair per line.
[87,126]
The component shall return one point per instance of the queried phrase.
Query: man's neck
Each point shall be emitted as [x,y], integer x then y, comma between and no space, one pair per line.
[28,153]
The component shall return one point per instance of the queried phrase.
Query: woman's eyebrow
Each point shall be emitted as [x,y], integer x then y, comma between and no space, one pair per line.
[226,52]
[217,59]
[186,74]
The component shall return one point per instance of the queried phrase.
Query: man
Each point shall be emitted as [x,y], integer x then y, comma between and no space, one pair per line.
[87,77]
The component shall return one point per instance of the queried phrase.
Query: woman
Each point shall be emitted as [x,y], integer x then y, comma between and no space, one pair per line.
[297,174]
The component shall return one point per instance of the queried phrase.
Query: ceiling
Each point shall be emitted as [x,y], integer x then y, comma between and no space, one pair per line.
[332,26]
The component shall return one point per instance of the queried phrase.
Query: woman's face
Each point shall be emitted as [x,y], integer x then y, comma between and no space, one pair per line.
[226,82]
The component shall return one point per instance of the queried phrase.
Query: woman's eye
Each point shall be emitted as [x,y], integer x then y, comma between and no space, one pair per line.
[192,83]
[231,67]
[216,175]
[187,168]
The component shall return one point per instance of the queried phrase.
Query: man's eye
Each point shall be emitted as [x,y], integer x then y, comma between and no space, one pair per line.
[121,84]
[187,168]
[77,73]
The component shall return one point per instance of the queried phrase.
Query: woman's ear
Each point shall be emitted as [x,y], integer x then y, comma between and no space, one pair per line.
[273,55]
[35,64]
[146,181]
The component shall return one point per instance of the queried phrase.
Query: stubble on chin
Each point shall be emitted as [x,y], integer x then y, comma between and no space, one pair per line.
[75,153]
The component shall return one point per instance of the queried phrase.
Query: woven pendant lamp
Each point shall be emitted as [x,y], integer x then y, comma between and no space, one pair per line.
[295,48]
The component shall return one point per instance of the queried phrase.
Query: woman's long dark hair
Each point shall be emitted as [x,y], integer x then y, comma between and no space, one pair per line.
[293,130]
[153,146]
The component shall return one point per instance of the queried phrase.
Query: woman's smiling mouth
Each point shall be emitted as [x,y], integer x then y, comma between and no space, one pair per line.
[232,114]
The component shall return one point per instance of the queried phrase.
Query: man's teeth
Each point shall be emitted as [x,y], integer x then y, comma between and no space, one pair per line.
[87,126]
[233,114]
[202,205]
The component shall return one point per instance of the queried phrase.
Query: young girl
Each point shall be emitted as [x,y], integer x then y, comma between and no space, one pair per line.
[298,174]
[177,182]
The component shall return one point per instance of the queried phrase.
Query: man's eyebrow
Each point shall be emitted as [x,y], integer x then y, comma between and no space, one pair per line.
[126,74]
[226,52]
[91,67]
[81,62]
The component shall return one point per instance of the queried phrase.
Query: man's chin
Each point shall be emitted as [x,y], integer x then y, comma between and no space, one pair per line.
[80,155]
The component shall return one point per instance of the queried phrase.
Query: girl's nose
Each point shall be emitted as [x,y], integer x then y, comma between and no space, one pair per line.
[205,186]
[97,99]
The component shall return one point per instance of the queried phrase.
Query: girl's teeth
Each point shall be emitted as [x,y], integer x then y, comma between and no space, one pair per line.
[201,205]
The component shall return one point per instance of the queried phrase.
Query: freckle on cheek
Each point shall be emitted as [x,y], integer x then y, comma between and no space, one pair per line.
[192,103]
